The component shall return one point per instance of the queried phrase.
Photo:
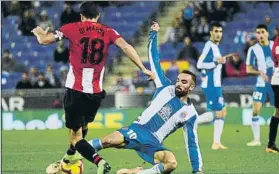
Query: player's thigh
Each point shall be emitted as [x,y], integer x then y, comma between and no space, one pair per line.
[91,104]
[115,139]
[165,157]
[71,101]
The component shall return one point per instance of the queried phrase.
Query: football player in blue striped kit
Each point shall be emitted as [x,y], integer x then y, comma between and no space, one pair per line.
[210,63]
[260,62]
[169,110]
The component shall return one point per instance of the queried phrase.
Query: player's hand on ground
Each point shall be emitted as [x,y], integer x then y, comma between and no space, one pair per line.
[221,60]
[149,74]
[39,31]
[264,76]
[155,26]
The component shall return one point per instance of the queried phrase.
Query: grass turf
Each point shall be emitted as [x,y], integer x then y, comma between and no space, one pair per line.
[30,152]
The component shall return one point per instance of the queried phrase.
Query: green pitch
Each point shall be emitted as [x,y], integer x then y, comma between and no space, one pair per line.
[30,152]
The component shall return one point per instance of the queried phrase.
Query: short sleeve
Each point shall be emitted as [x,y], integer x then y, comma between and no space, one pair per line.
[64,32]
[113,35]
[250,57]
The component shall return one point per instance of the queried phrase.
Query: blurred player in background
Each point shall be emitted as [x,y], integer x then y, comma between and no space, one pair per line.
[259,62]
[273,127]
[89,42]
[169,110]
[211,62]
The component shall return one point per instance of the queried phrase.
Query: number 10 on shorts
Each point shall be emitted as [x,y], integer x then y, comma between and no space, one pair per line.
[132,134]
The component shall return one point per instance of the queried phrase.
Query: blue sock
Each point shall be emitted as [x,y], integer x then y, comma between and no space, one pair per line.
[96,144]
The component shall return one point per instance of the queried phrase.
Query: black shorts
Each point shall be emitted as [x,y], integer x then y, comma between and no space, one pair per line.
[81,108]
[276,95]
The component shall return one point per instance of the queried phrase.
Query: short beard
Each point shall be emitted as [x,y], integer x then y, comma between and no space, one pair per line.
[181,93]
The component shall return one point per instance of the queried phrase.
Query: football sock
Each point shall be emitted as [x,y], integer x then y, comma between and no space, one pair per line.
[256,127]
[87,151]
[156,169]
[273,131]
[206,117]
[84,132]
[218,129]
[96,144]
[71,150]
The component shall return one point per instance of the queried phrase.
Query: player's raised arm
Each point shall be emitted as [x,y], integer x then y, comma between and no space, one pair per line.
[43,36]
[130,51]
[192,144]
[154,60]
[203,64]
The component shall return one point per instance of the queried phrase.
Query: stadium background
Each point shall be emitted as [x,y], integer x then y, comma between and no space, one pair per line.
[40,106]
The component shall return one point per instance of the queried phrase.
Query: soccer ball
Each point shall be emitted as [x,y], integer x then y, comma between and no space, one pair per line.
[71,168]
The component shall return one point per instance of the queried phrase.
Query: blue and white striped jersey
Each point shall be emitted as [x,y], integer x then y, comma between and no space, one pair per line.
[260,57]
[166,112]
[211,70]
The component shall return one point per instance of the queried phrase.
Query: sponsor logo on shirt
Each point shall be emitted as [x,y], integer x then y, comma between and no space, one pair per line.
[165,112]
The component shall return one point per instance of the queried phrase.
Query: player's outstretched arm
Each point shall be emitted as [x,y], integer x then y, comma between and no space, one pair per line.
[130,51]
[43,36]
[192,144]
[153,56]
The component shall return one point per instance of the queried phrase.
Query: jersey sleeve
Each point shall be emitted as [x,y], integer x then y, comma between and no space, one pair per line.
[250,60]
[192,144]
[113,35]
[65,31]
[154,60]
[202,64]
[275,51]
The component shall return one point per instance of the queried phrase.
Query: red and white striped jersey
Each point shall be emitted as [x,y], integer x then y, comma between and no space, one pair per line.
[89,42]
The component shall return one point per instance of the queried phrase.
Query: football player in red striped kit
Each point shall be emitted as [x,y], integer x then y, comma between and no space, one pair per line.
[89,42]
[273,127]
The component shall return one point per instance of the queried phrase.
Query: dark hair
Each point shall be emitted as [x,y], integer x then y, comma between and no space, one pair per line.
[262,26]
[214,24]
[192,75]
[89,9]
[7,51]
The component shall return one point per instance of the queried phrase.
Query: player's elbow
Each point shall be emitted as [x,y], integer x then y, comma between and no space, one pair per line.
[248,70]
[199,65]
[126,47]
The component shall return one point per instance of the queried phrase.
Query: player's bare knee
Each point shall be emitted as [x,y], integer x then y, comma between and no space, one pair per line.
[170,165]
[256,111]
[224,112]
[219,114]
